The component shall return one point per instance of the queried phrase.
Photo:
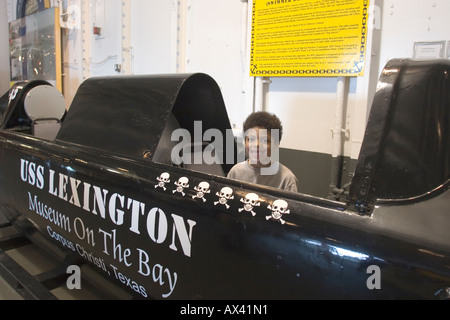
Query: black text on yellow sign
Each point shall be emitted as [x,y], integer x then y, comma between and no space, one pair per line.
[301,38]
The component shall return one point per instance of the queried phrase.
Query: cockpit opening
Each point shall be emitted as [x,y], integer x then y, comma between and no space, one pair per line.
[35,107]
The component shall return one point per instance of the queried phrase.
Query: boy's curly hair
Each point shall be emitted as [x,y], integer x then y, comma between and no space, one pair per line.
[263,120]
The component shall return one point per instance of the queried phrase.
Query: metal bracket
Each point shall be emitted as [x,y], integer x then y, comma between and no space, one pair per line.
[21,281]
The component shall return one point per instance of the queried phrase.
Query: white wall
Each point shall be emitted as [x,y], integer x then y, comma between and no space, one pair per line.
[105,49]
[84,53]
[408,21]
[152,27]
[306,109]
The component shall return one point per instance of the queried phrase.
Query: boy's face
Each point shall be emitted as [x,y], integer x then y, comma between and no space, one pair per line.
[258,145]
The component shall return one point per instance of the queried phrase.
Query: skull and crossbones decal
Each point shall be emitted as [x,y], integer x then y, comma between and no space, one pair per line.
[202,189]
[278,208]
[163,179]
[181,184]
[250,201]
[224,195]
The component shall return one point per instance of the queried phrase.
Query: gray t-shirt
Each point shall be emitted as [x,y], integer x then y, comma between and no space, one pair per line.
[283,179]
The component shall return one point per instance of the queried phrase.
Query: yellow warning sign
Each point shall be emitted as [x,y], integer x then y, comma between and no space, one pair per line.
[298,38]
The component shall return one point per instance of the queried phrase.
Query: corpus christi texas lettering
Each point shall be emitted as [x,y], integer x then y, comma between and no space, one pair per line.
[121,211]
